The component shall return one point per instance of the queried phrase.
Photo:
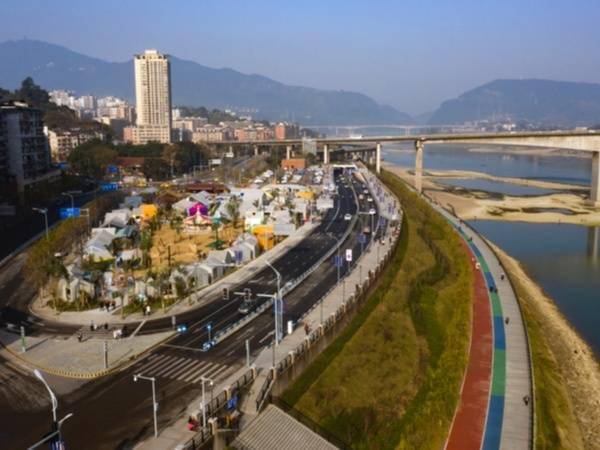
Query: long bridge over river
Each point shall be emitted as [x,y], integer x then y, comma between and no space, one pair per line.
[582,141]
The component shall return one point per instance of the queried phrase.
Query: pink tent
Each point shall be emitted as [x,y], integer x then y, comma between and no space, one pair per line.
[198,208]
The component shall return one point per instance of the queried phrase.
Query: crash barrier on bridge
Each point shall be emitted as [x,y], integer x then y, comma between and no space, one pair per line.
[346,310]
[204,435]
[289,286]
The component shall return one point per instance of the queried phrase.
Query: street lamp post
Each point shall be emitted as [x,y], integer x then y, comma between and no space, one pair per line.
[53,399]
[204,380]
[44,211]
[278,299]
[154,403]
[71,194]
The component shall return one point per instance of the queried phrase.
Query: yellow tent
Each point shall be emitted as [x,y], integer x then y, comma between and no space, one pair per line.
[148,211]
[265,236]
[306,195]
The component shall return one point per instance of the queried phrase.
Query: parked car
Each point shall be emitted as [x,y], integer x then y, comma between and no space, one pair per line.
[347,217]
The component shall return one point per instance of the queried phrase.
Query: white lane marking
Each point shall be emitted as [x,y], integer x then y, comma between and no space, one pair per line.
[169,367]
[190,374]
[184,369]
[269,334]
[156,364]
[201,373]
[213,374]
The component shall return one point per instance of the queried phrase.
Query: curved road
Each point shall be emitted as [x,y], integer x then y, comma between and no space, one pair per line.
[113,412]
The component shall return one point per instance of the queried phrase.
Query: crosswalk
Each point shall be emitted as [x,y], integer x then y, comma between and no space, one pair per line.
[187,370]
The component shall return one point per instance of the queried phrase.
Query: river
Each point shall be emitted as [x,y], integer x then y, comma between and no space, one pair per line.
[563,259]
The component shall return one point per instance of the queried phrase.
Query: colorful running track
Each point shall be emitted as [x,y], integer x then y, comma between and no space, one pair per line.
[481,413]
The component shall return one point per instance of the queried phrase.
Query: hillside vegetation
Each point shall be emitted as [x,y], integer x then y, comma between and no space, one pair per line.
[392,378]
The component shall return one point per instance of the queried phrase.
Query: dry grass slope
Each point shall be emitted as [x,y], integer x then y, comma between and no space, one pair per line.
[392,379]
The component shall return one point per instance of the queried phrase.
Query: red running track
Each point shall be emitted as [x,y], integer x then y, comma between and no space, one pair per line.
[469,421]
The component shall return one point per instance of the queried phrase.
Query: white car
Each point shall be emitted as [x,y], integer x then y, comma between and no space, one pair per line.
[348,217]
[372,211]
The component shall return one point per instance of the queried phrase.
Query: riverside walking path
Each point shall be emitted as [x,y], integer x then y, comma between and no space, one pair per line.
[498,382]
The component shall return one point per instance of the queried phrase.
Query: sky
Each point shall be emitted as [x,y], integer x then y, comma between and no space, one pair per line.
[409,54]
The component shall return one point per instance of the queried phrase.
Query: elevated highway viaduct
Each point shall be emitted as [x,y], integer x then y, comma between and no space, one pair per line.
[581,141]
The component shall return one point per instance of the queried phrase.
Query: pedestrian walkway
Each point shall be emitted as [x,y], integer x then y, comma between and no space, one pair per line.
[69,357]
[186,370]
[509,415]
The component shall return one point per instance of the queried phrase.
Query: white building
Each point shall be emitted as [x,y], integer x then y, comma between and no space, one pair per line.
[152,97]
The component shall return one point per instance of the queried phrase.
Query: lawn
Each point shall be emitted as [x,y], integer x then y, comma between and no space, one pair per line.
[392,378]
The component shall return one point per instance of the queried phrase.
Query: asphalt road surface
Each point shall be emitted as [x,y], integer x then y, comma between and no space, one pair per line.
[114,412]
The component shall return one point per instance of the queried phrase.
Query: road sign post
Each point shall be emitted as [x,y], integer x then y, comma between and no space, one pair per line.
[209,328]
[173,321]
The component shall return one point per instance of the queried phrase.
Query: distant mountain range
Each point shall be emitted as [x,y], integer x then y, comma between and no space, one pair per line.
[56,67]
[542,102]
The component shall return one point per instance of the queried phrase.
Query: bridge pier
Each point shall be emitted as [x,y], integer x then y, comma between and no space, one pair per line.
[595,188]
[256,150]
[419,145]
[288,152]
[325,154]
[378,158]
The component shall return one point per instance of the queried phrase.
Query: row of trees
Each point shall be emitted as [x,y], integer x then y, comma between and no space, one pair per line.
[161,160]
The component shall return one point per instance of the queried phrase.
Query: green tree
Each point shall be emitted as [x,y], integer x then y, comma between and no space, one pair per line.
[233,210]
[92,158]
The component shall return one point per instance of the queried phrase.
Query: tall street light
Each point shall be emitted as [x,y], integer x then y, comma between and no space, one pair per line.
[279,300]
[154,403]
[71,194]
[204,380]
[53,399]
[44,211]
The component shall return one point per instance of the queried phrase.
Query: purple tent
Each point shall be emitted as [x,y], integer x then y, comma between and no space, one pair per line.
[200,208]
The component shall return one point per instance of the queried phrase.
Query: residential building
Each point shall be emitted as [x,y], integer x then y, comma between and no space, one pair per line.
[212,133]
[153,97]
[62,142]
[24,152]
[285,130]
[293,164]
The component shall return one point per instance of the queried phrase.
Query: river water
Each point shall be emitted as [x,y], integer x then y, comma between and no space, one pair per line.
[563,259]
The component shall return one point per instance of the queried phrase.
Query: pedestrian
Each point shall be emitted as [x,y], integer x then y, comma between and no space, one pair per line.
[306,328]
[502,277]
[506,320]
[79,337]
[526,399]
[106,325]
[92,325]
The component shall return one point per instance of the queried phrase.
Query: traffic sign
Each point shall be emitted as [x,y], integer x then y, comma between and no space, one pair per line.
[362,239]
[349,255]
[65,213]
[105,187]
[338,261]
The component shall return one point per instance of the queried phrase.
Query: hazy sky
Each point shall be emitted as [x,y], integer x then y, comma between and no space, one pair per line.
[409,54]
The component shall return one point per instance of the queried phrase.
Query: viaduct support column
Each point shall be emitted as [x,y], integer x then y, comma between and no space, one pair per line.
[288,152]
[256,150]
[595,190]
[325,154]
[419,145]
[378,158]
